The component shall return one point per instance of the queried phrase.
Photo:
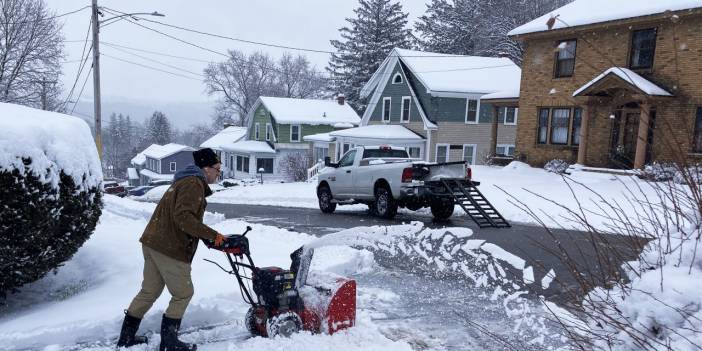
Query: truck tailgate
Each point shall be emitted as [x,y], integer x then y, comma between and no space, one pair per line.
[432,172]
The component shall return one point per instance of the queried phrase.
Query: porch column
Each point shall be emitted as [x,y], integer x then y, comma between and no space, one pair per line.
[642,140]
[493,134]
[584,133]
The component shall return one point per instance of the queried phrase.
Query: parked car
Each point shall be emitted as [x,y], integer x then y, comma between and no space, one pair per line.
[114,188]
[160,182]
[140,190]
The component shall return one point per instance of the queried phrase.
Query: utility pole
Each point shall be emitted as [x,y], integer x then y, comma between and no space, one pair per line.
[96,79]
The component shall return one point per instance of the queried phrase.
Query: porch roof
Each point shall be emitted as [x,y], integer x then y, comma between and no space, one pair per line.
[321,137]
[383,131]
[250,146]
[621,75]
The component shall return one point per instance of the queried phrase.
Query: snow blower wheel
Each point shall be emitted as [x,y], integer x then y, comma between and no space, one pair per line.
[250,321]
[285,325]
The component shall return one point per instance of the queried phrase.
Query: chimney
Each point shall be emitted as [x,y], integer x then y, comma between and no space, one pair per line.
[341,99]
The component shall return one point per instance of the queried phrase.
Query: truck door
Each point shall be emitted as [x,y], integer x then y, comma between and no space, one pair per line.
[344,178]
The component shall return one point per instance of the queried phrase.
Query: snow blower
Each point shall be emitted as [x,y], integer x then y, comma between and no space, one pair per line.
[283,300]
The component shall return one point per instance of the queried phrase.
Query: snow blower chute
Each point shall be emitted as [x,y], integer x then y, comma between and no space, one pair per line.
[283,300]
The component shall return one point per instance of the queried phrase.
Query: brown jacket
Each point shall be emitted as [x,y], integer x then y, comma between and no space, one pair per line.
[176,224]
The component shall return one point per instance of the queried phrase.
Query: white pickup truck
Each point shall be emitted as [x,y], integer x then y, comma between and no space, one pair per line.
[386,178]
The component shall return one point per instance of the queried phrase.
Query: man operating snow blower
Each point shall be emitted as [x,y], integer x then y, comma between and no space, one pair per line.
[169,243]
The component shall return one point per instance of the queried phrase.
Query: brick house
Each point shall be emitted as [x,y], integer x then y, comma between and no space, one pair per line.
[439,107]
[619,86]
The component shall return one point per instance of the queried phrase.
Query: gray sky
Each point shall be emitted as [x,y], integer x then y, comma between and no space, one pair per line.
[301,23]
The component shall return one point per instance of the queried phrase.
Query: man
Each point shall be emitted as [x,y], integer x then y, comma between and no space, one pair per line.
[169,243]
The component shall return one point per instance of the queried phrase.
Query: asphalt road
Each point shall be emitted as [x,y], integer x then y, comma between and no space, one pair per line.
[542,249]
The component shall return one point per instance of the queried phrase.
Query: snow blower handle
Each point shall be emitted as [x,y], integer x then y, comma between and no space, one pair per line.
[248,229]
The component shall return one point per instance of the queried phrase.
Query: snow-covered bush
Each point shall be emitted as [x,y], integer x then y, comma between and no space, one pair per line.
[659,172]
[556,166]
[690,174]
[50,192]
[294,166]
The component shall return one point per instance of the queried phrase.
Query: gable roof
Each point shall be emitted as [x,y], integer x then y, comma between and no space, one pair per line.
[443,74]
[161,151]
[227,136]
[140,158]
[307,111]
[629,77]
[585,12]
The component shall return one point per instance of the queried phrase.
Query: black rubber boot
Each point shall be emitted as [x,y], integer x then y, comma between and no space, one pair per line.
[169,336]
[128,337]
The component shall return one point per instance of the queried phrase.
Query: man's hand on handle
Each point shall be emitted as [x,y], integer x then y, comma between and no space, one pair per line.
[219,240]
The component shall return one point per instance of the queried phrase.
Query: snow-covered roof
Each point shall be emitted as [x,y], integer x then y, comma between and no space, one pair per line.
[585,12]
[505,94]
[55,142]
[250,146]
[310,111]
[132,173]
[451,74]
[228,136]
[378,131]
[321,137]
[630,77]
[343,125]
[140,158]
[160,152]
[154,175]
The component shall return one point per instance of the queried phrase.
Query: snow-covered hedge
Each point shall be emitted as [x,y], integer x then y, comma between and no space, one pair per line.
[659,171]
[556,166]
[50,192]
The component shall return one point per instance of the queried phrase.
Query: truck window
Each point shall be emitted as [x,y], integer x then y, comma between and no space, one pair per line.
[384,153]
[347,160]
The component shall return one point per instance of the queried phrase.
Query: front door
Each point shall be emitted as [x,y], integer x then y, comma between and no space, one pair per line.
[625,129]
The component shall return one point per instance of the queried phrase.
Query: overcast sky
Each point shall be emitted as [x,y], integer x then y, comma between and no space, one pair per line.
[300,23]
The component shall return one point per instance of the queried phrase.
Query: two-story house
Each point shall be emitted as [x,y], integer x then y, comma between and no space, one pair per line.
[161,162]
[221,142]
[276,130]
[619,87]
[434,105]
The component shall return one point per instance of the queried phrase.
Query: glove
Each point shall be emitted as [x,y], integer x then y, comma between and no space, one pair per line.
[219,240]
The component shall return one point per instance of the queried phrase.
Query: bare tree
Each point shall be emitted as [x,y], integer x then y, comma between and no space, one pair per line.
[31,50]
[295,165]
[298,79]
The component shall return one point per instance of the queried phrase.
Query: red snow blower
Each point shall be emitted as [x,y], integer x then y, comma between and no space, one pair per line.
[283,301]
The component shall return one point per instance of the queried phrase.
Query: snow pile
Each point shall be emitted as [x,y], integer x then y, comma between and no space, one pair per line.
[54,142]
[661,305]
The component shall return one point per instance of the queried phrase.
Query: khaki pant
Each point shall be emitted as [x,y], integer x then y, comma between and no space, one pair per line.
[159,271]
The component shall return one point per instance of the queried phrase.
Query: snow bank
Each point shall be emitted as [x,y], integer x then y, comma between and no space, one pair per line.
[55,142]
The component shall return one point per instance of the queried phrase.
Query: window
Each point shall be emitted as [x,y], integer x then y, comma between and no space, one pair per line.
[242,164]
[269,132]
[397,79]
[643,47]
[442,153]
[472,111]
[321,153]
[257,132]
[266,164]
[543,126]
[295,133]
[406,100]
[469,153]
[386,109]
[173,166]
[232,165]
[347,160]
[505,150]
[565,59]
[577,118]
[697,142]
[414,152]
[509,115]
[559,125]
[345,148]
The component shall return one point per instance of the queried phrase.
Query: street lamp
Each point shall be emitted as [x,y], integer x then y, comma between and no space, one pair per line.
[96,64]
[260,171]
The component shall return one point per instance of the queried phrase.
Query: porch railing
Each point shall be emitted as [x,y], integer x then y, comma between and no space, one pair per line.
[313,171]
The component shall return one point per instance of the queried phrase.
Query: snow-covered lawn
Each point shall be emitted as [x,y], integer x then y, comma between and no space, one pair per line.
[80,307]
[518,180]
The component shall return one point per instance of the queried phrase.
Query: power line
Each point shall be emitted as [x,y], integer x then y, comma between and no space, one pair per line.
[154,61]
[48,18]
[156,53]
[149,67]
[81,89]
[84,58]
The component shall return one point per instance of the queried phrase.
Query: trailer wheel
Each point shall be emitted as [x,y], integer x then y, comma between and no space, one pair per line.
[442,209]
[250,321]
[324,196]
[284,325]
[385,206]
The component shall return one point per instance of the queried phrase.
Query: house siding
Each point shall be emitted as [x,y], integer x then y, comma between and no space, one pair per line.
[261,116]
[182,159]
[677,67]
[307,129]
[395,92]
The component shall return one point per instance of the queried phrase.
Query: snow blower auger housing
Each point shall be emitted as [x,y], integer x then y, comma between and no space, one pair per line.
[283,302]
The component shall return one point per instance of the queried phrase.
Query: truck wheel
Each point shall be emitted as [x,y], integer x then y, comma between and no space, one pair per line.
[385,206]
[442,209]
[324,196]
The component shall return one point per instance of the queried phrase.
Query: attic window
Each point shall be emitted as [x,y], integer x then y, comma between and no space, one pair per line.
[397,79]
